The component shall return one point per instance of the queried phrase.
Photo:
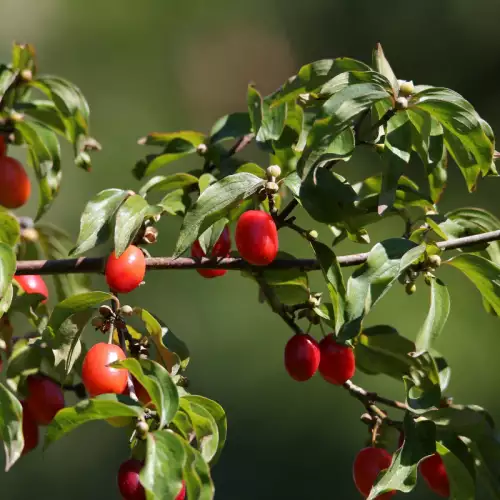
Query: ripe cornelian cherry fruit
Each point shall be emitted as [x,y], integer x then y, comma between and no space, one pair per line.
[33,283]
[97,376]
[257,237]
[220,249]
[45,399]
[30,430]
[434,473]
[125,273]
[3,146]
[182,494]
[337,364]
[302,357]
[15,186]
[368,463]
[128,480]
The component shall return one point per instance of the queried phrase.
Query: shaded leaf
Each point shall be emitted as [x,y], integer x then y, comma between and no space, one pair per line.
[196,472]
[11,430]
[381,64]
[167,183]
[7,270]
[230,126]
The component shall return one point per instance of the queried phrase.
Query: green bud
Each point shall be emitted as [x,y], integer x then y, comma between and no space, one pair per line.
[273,171]
[406,88]
[411,288]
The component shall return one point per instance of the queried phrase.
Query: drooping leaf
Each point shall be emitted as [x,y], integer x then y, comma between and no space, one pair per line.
[101,407]
[11,432]
[196,472]
[334,280]
[72,305]
[213,204]
[484,274]
[420,442]
[98,212]
[161,183]
[44,112]
[219,415]
[9,229]
[437,316]
[210,236]
[7,270]
[129,219]
[56,244]
[158,384]
[230,127]
[204,426]
[176,145]
[45,158]
[161,475]
[381,349]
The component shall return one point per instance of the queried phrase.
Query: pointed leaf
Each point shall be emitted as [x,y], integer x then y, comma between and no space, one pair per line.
[167,183]
[230,127]
[7,270]
[11,429]
[196,472]
[9,229]
[381,64]
[94,228]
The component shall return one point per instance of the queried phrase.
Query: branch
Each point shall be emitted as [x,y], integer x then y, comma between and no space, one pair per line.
[367,398]
[96,264]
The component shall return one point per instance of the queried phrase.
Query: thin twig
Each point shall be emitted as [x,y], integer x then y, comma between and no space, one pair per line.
[96,264]
[368,398]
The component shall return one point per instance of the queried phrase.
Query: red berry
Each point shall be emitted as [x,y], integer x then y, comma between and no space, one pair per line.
[302,357]
[434,473]
[368,464]
[15,186]
[97,376]
[3,146]
[257,237]
[30,430]
[220,249]
[125,273]
[32,283]
[44,400]
[337,362]
[128,480]
[182,493]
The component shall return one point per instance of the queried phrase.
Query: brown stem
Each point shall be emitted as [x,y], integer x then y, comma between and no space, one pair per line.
[368,398]
[96,264]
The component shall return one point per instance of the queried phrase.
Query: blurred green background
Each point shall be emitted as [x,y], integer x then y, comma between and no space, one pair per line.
[170,65]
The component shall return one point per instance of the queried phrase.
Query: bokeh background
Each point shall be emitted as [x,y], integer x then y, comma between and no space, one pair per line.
[165,65]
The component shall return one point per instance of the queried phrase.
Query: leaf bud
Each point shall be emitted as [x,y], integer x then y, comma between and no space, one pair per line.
[202,149]
[401,103]
[272,187]
[142,429]
[313,234]
[126,311]
[26,75]
[434,261]
[106,312]
[273,171]
[150,235]
[406,88]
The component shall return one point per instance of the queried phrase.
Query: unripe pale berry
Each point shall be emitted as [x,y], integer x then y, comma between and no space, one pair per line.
[406,88]
[313,234]
[410,288]
[126,310]
[272,187]
[202,149]
[434,261]
[273,171]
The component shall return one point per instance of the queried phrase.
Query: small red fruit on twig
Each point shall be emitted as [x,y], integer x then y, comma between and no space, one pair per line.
[44,400]
[368,464]
[15,186]
[32,283]
[30,430]
[337,364]
[302,357]
[434,473]
[220,250]
[125,273]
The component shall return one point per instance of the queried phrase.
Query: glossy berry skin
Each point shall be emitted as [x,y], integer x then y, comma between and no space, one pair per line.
[368,463]
[128,480]
[220,250]
[32,283]
[182,493]
[434,473]
[257,237]
[302,357]
[15,186]
[30,430]
[337,364]
[3,146]
[125,273]
[97,377]
[45,399]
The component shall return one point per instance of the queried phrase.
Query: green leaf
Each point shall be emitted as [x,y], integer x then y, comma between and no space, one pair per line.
[484,274]
[157,330]
[230,126]
[437,316]
[381,64]
[273,121]
[312,76]
[465,138]
[381,349]
[56,244]
[7,270]
[327,196]
[196,472]
[9,229]
[219,415]
[161,183]
[420,442]
[45,157]
[161,475]
[99,408]
[334,280]
[43,112]
[204,426]
[158,384]
[210,237]
[423,389]
[386,261]
[11,429]
[396,155]
[254,103]
[7,78]
[213,204]
[177,202]
[72,305]
[96,216]
[129,219]
[176,145]
[253,168]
